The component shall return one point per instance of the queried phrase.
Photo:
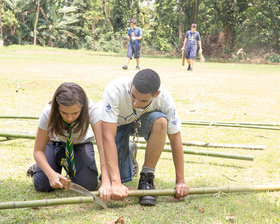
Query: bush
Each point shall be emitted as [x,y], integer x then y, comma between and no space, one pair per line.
[275,58]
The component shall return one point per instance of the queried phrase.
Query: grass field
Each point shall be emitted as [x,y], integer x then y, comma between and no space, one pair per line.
[212,92]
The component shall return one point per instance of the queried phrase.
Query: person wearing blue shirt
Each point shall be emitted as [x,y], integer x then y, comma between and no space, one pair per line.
[134,35]
[192,39]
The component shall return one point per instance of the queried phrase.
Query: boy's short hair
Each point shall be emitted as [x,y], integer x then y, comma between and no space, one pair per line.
[133,21]
[146,81]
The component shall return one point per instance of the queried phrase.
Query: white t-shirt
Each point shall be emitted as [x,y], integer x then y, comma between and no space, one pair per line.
[94,117]
[117,106]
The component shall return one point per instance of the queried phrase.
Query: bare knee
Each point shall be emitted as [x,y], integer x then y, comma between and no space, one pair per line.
[160,125]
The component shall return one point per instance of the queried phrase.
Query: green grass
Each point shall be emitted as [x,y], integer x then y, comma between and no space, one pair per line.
[214,91]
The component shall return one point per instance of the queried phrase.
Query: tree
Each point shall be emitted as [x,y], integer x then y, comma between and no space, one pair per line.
[1,30]
[36,21]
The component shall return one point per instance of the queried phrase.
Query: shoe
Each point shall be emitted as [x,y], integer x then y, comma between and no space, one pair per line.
[31,169]
[124,67]
[137,67]
[189,67]
[146,182]
[133,154]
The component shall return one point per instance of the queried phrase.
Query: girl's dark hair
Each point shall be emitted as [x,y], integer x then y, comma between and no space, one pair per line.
[146,81]
[68,94]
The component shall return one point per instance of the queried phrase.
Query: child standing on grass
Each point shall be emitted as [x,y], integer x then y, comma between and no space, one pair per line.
[64,139]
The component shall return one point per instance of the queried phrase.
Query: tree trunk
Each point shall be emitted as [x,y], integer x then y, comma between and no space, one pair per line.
[1,30]
[181,25]
[195,8]
[92,31]
[105,13]
[36,21]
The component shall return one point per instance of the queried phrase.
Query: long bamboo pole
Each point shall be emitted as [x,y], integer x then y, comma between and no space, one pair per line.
[137,193]
[232,125]
[215,145]
[205,123]
[18,117]
[141,146]
[9,134]
[207,153]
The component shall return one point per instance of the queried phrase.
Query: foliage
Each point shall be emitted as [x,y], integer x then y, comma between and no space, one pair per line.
[9,25]
[260,27]
[275,58]
[224,26]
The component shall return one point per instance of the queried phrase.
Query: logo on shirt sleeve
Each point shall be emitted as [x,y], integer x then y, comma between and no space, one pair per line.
[174,120]
[108,108]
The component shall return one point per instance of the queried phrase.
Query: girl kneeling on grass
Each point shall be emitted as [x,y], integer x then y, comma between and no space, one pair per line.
[64,139]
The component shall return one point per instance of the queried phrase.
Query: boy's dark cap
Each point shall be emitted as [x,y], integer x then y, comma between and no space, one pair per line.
[133,21]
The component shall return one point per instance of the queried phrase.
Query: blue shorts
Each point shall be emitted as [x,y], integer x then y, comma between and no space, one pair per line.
[133,49]
[190,52]
[122,142]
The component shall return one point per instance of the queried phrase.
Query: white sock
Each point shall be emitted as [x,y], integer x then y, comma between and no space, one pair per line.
[146,169]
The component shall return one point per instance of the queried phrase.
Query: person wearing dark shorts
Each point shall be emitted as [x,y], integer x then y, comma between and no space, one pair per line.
[134,35]
[192,39]
[64,140]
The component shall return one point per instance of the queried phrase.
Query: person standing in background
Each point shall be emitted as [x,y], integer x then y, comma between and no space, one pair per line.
[134,35]
[192,39]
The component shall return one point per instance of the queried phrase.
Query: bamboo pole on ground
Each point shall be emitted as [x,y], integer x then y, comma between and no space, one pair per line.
[18,117]
[9,134]
[269,127]
[215,145]
[142,146]
[234,123]
[137,193]
[207,153]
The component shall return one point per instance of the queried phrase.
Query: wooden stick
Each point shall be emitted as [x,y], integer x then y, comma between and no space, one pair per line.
[183,58]
[137,193]
[17,85]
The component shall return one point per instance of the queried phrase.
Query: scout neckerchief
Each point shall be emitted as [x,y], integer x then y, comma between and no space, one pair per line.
[69,150]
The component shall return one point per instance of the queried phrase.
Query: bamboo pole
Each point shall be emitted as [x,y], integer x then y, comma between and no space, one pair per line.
[18,117]
[205,123]
[137,193]
[141,146]
[216,145]
[207,153]
[9,134]
[232,125]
